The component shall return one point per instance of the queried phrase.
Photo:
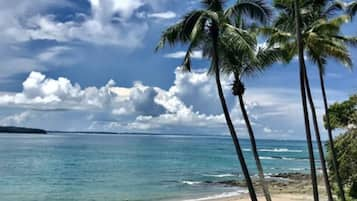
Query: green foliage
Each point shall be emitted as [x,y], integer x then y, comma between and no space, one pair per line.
[200,28]
[321,33]
[352,8]
[346,151]
[343,115]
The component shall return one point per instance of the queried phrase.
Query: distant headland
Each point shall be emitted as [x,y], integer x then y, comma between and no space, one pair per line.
[13,129]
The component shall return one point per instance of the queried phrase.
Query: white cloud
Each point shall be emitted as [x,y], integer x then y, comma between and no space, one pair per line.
[95,29]
[52,53]
[137,108]
[182,54]
[15,119]
[189,105]
[198,90]
[109,22]
[268,130]
[163,15]
[14,60]
[45,93]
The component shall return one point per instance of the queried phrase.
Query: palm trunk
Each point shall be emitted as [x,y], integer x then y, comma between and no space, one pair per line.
[318,139]
[231,128]
[331,143]
[254,149]
[304,103]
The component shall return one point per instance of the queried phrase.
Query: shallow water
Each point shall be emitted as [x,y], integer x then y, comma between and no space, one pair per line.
[66,167]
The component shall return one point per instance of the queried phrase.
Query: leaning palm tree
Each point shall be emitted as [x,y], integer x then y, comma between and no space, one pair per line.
[204,28]
[241,63]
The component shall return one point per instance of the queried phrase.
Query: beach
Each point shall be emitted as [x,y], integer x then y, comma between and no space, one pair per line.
[283,187]
[280,197]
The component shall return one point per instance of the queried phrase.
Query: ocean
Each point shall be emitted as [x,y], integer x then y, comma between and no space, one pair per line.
[90,167]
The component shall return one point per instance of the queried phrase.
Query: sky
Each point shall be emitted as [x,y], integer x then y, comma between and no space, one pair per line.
[90,65]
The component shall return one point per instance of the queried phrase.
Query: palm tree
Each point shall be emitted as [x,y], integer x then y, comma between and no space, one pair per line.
[317,42]
[320,39]
[203,28]
[241,63]
[300,45]
[289,37]
[352,8]
[329,44]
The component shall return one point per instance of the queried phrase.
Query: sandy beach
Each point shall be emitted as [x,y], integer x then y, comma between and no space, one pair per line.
[278,197]
[283,187]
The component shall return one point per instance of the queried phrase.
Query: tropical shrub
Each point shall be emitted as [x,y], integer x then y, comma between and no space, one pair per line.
[344,116]
[346,151]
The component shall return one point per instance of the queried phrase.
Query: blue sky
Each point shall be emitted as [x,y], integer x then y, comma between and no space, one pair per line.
[91,65]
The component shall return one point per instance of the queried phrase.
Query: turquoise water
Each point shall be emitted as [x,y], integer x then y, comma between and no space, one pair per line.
[66,167]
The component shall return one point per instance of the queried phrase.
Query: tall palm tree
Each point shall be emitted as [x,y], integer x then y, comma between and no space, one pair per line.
[328,44]
[300,45]
[203,28]
[289,36]
[243,63]
[314,38]
[323,39]
[320,39]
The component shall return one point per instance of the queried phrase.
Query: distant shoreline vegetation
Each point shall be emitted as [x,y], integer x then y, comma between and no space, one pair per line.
[12,129]
[23,130]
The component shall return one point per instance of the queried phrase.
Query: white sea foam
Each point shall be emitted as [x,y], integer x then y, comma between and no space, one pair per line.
[281,158]
[294,159]
[297,169]
[280,150]
[191,182]
[219,175]
[219,196]
[267,158]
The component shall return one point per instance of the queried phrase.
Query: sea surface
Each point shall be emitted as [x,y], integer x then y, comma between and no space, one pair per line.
[83,167]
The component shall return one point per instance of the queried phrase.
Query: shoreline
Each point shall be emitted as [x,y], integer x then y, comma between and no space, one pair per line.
[282,186]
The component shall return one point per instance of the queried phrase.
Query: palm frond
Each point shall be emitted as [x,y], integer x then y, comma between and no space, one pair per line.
[352,9]
[283,4]
[186,65]
[333,8]
[255,9]
[349,40]
[236,49]
[275,36]
[172,35]
[213,5]
[319,46]
[268,56]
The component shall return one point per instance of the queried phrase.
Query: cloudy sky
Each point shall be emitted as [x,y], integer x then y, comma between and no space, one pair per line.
[91,65]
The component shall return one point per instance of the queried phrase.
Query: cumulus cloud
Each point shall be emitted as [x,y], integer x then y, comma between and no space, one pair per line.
[198,90]
[139,107]
[109,22]
[189,105]
[25,24]
[46,93]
